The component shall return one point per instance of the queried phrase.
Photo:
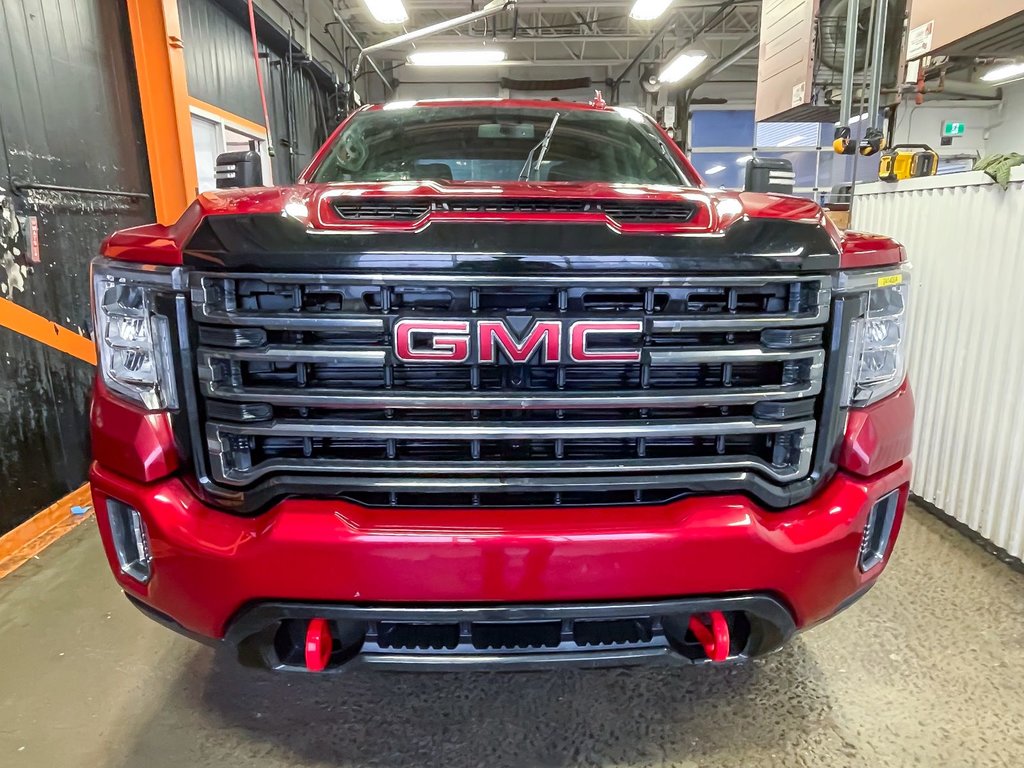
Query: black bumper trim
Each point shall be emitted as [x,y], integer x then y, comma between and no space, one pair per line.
[767,623]
[164,620]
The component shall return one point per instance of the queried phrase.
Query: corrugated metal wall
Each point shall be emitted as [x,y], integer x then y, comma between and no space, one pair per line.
[219,68]
[69,115]
[966,243]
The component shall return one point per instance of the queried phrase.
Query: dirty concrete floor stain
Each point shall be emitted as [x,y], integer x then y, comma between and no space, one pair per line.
[927,670]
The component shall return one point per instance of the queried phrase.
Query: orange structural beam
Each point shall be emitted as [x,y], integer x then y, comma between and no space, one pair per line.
[163,94]
[38,532]
[28,323]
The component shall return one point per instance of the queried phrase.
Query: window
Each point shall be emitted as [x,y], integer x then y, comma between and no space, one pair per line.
[488,143]
[723,128]
[214,134]
[723,140]
[722,169]
[206,137]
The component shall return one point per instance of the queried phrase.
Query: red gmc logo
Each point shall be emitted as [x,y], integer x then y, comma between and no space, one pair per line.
[455,341]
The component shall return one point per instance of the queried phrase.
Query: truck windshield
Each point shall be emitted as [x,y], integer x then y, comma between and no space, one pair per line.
[489,143]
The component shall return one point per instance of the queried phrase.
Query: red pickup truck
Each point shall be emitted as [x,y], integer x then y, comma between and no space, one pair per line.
[498,383]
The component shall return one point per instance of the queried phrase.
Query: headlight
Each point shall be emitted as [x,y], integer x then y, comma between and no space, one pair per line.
[134,340]
[877,361]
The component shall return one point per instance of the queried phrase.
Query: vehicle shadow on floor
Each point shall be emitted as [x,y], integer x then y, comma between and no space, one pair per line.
[638,716]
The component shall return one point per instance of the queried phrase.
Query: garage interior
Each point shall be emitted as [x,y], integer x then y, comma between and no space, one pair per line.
[113,114]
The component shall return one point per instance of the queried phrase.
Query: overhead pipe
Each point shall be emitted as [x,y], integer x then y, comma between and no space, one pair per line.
[748,45]
[842,139]
[662,28]
[849,63]
[874,140]
[491,9]
[877,60]
[309,31]
[716,18]
[953,88]
[356,42]
[684,99]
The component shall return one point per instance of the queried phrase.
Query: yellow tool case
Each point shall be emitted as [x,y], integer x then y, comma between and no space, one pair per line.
[907,161]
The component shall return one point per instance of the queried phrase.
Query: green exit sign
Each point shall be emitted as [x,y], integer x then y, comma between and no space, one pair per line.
[950,128]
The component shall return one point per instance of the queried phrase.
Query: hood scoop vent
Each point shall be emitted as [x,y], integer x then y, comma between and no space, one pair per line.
[627,212]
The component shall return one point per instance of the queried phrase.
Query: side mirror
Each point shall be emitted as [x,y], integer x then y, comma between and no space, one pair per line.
[239,169]
[770,175]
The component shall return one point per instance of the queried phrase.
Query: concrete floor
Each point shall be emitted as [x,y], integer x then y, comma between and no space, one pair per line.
[927,670]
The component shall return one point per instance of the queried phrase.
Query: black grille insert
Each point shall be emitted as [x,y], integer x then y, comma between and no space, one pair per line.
[612,631]
[382,211]
[417,636]
[501,635]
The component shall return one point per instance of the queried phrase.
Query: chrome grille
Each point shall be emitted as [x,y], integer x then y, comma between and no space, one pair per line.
[297,379]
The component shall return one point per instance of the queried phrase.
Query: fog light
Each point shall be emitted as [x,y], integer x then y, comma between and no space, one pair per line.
[878,531]
[130,542]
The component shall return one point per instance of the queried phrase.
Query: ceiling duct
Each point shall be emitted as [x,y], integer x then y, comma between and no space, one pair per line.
[831,48]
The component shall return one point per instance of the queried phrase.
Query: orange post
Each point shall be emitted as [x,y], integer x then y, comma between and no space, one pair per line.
[163,92]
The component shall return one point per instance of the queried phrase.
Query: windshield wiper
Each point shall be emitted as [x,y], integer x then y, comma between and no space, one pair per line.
[529,166]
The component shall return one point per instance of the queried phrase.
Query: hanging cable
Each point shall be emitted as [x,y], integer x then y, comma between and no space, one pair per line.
[259,76]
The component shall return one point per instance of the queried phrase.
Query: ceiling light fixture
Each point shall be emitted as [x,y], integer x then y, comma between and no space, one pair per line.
[387,11]
[649,10]
[1004,72]
[466,58]
[680,66]
[714,169]
[790,141]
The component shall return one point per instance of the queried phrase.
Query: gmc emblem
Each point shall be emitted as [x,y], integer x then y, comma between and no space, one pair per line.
[455,341]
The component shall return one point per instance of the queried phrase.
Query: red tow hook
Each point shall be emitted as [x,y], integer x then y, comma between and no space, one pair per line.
[716,639]
[318,645]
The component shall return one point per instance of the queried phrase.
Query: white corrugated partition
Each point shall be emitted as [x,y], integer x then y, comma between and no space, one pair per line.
[965,238]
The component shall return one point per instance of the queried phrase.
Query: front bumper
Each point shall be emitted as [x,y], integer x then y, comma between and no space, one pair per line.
[211,570]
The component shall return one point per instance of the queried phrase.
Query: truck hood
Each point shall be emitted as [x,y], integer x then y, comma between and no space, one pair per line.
[427,223]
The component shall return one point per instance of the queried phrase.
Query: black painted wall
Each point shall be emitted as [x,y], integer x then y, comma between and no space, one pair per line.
[220,71]
[69,115]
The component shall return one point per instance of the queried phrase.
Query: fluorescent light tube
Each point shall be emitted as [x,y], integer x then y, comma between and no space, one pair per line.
[465,58]
[1004,72]
[682,65]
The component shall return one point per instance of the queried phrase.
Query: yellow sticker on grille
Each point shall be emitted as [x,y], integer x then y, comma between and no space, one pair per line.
[890,280]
